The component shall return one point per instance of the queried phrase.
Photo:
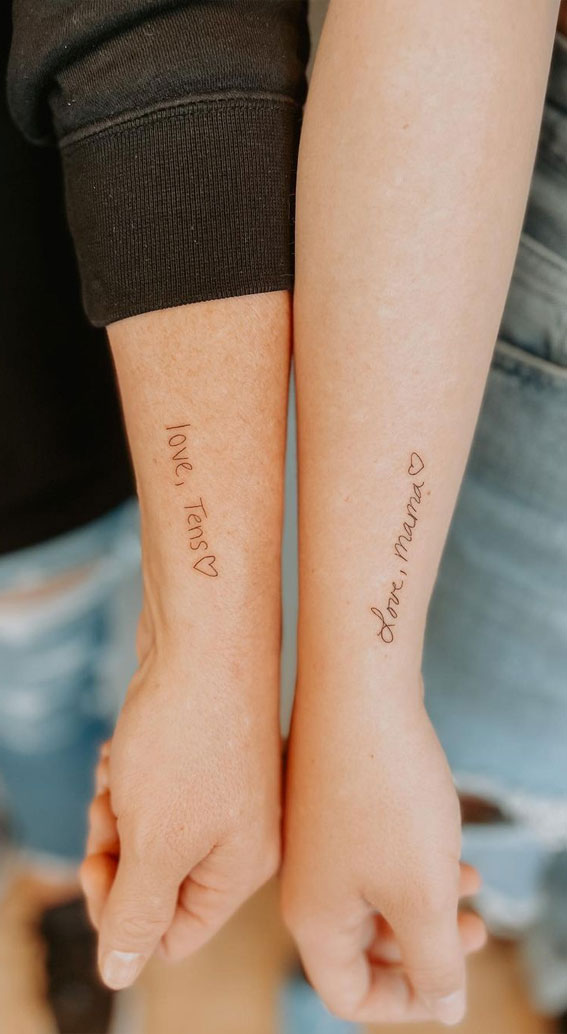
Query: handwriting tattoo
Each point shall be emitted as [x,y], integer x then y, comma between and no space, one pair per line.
[195,513]
[388,617]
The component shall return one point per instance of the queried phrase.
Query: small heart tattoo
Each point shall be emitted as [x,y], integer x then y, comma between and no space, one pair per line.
[416,464]
[206,565]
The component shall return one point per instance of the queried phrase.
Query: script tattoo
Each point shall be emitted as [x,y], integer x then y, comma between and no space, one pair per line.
[401,549]
[195,512]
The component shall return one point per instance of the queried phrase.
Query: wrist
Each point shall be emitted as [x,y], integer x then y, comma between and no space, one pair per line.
[353,675]
[229,627]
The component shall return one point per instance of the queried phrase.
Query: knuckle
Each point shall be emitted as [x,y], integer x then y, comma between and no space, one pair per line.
[437,981]
[431,898]
[134,928]
[151,853]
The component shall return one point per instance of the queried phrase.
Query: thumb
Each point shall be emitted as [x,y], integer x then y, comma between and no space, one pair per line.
[137,913]
[433,957]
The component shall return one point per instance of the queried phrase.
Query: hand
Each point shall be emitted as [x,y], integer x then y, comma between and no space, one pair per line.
[371,878]
[185,824]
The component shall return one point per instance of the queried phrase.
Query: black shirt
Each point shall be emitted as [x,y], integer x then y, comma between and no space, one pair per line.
[175,125]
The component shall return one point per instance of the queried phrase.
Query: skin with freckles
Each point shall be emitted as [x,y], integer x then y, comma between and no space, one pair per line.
[186,821]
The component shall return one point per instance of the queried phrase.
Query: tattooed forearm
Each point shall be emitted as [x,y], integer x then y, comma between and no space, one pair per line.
[194,508]
[402,551]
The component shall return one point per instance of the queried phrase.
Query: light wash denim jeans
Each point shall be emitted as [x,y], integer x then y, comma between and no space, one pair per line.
[65,660]
[496,646]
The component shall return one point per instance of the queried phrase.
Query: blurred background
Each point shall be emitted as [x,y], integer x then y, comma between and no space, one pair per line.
[68,611]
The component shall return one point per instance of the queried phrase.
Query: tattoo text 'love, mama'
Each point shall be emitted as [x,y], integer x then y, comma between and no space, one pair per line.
[195,512]
[402,550]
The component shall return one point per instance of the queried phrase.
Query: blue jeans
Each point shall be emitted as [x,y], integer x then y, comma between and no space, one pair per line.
[66,655]
[496,646]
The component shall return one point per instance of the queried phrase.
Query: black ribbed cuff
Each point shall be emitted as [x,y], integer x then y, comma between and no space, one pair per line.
[183,204]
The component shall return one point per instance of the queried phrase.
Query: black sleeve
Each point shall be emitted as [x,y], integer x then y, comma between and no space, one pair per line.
[177,122]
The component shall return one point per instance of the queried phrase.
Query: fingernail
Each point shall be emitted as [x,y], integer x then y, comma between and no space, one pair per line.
[450,1009]
[120,968]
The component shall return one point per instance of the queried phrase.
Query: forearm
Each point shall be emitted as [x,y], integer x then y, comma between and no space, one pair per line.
[186,823]
[417,149]
[204,391]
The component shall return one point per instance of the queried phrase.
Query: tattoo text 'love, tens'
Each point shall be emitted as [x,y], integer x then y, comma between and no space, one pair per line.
[195,513]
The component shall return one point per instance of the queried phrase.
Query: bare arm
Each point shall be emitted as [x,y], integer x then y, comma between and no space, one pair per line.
[186,825]
[418,144]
